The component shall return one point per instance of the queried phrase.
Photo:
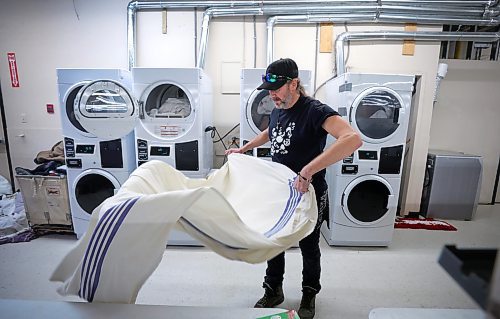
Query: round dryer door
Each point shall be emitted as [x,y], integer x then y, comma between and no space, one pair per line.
[367,200]
[106,109]
[377,113]
[92,187]
[69,105]
[167,110]
[258,110]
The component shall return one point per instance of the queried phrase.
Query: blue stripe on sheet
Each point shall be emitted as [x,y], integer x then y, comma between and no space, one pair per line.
[91,248]
[187,223]
[103,235]
[293,201]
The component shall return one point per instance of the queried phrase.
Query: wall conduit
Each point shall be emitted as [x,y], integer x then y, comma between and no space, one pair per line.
[465,12]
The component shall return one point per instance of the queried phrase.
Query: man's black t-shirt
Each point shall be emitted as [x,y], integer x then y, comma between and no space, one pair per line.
[297,135]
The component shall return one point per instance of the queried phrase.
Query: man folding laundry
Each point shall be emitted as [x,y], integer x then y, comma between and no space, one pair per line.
[298,128]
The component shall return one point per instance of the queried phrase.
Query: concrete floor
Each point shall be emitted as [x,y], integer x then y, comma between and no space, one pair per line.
[355,280]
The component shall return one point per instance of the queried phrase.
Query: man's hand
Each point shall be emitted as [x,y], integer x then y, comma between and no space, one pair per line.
[233,150]
[302,182]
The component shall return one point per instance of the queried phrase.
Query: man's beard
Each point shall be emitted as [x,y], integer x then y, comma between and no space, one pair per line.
[285,103]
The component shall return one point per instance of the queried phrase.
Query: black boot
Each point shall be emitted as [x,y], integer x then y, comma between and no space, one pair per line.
[308,303]
[272,297]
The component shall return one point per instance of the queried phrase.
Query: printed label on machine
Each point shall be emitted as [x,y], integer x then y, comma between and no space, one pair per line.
[167,130]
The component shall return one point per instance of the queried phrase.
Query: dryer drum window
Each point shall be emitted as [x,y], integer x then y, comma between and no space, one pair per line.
[367,201]
[91,190]
[168,101]
[105,97]
[262,106]
[377,114]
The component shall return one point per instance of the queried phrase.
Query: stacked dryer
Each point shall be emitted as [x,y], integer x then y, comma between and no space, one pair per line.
[175,110]
[364,187]
[256,107]
[98,117]
[175,119]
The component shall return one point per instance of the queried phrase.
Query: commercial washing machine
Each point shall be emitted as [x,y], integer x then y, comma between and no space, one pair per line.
[256,106]
[98,117]
[364,187]
[364,190]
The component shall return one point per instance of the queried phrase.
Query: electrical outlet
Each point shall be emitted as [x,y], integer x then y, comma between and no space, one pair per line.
[233,141]
[24,118]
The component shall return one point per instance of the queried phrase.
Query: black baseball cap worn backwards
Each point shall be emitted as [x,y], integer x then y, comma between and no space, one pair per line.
[278,73]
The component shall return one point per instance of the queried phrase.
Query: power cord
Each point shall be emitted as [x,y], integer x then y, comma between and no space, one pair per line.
[234,142]
[214,131]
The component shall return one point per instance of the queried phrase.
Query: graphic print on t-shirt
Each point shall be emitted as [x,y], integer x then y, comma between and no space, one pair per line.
[280,139]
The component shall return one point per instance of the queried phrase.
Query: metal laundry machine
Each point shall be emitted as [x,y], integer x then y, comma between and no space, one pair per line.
[98,118]
[364,191]
[175,117]
[376,105]
[256,106]
[175,109]
[364,187]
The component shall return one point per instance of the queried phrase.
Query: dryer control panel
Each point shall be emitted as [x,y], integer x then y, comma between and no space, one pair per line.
[371,160]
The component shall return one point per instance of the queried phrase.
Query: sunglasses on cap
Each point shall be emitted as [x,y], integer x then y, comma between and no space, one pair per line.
[271,78]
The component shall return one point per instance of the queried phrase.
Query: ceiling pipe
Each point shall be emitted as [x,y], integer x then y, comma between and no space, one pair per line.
[339,7]
[423,19]
[200,63]
[224,12]
[360,18]
[468,3]
[135,6]
[374,7]
[326,16]
[448,10]
[296,19]
[395,35]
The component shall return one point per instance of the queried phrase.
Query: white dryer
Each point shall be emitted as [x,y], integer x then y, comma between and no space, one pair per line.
[376,105]
[98,116]
[175,108]
[364,191]
[256,107]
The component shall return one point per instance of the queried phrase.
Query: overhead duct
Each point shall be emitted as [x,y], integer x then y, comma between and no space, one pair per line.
[355,18]
[395,35]
[340,16]
[467,12]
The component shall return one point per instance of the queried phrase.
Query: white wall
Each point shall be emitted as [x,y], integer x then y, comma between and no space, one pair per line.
[466,116]
[46,35]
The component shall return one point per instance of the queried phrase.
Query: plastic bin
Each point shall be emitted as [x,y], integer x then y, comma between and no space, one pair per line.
[45,199]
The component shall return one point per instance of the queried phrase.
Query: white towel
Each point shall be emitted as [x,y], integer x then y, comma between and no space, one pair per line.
[247,210]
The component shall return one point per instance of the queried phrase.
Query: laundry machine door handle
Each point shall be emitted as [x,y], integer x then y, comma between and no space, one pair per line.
[141,109]
[396,115]
[391,201]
